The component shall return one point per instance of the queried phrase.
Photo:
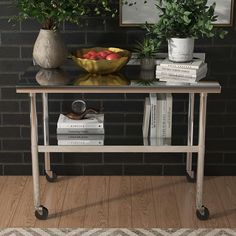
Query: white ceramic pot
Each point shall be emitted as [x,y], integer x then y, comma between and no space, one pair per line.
[180,49]
[49,49]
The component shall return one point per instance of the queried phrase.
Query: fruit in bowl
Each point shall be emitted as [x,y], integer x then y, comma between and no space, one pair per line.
[101,60]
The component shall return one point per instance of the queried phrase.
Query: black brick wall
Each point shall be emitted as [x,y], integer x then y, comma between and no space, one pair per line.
[123,112]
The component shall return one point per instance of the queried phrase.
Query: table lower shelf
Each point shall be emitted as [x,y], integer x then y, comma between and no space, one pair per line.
[130,149]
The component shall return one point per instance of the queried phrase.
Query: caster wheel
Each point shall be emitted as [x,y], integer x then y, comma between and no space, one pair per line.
[191,179]
[203,214]
[51,179]
[42,214]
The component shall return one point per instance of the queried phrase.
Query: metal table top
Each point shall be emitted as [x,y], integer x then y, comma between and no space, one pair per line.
[70,79]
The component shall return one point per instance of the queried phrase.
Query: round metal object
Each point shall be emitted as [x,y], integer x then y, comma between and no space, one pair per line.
[78,106]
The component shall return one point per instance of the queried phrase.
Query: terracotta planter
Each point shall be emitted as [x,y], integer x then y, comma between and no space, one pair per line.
[49,49]
[180,49]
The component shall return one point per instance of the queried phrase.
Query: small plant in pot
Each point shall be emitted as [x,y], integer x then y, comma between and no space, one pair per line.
[49,49]
[181,22]
[147,50]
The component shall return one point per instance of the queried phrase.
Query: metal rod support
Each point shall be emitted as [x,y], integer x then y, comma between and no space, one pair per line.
[34,150]
[190,134]
[46,133]
[120,149]
[201,151]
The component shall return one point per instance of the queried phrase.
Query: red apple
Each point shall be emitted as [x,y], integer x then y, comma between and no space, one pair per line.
[92,53]
[99,57]
[107,51]
[86,56]
[93,57]
[113,56]
[103,54]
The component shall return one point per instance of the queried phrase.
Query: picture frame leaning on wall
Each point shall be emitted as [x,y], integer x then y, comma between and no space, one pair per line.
[140,13]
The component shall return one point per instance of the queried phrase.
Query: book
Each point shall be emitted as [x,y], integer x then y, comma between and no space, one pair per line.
[91,121]
[182,71]
[158,116]
[146,117]
[145,141]
[164,115]
[180,75]
[177,82]
[153,118]
[80,131]
[169,104]
[160,141]
[194,64]
[80,139]
[161,99]
[81,142]
[171,78]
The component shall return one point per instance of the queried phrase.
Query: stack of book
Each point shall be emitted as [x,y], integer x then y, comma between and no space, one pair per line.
[189,72]
[157,118]
[88,131]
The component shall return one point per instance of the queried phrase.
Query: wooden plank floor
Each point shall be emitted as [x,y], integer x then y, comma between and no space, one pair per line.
[137,201]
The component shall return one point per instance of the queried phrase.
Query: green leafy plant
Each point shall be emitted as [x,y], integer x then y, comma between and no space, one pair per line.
[147,48]
[185,18]
[51,13]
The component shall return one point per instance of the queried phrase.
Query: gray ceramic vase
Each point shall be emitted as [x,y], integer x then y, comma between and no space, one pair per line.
[49,49]
[57,76]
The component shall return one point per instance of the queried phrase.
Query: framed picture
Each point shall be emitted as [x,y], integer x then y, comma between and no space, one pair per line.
[140,13]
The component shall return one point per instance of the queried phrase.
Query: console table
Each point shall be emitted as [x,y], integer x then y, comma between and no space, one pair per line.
[44,82]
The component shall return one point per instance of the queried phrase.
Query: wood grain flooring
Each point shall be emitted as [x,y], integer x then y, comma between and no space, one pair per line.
[118,201]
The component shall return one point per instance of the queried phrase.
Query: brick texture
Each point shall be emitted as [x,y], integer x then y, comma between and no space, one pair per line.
[123,112]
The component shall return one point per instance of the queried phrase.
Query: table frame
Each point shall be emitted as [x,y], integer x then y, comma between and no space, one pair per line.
[202,212]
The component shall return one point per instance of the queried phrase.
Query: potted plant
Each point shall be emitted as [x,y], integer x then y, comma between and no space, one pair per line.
[147,50]
[181,22]
[49,49]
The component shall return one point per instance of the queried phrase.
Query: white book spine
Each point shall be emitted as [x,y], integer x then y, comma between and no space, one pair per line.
[195,64]
[169,82]
[81,142]
[169,115]
[180,79]
[163,117]
[81,126]
[180,66]
[164,112]
[160,73]
[159,115]
[145,141]
[160,141]
[79,131]
[153,141]
[153,120]
[182,71]
[79,137]
[146,117]
[92,121]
